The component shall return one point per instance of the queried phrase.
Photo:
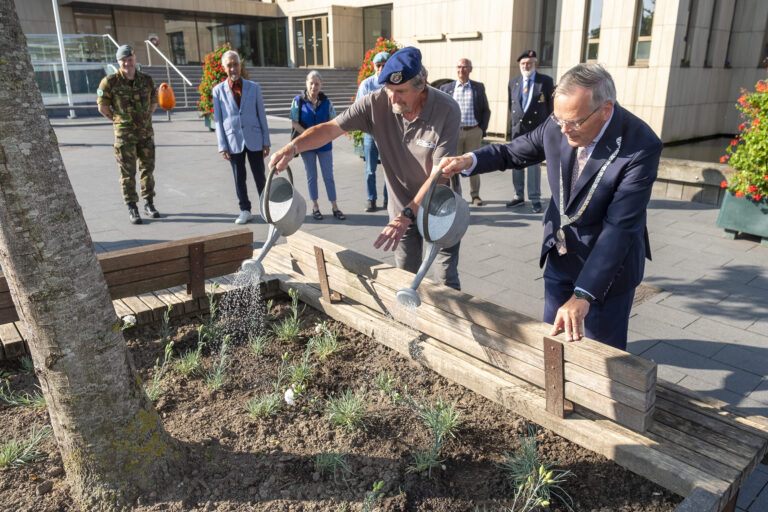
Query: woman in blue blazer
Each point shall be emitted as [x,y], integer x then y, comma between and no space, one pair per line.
[308,109]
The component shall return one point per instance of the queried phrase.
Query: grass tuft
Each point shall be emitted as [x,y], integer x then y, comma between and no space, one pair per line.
[347,410]
[17,452]
[264,406]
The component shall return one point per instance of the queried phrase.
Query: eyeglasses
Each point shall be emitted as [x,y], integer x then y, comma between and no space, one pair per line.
[574,125]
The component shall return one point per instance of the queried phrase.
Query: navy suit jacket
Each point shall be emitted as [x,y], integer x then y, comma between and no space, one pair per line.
[608,245]
[238,127]
[479,102]
[539,109]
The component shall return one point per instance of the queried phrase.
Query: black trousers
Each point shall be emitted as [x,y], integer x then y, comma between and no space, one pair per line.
[256,161]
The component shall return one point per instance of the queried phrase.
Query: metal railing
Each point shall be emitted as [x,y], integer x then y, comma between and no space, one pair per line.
[168,66]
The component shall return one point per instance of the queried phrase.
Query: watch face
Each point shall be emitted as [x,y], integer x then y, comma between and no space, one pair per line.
[408,212]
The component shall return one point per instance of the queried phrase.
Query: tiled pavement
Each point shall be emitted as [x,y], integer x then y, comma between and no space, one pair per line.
[707,329]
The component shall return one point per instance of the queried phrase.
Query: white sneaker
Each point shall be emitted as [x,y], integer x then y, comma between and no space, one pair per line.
[244,217]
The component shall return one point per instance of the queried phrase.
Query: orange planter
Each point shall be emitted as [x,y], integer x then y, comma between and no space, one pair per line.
[166,98]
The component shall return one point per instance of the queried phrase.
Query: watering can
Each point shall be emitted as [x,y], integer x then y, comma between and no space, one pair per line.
[283,208]
[442,220]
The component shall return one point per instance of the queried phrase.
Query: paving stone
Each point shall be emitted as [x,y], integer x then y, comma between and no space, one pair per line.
[761,502]
[760,393]
[665,314]
[714,375]
[747,359]
[715,307]
[653,329]
[709,388]
[638,343]
[751,487]
[726,333]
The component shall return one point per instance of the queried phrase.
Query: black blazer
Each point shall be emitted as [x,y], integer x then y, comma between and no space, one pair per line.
[479,102]
[540,108]
[608,245]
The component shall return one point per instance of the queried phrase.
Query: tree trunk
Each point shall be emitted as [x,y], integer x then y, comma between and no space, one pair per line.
[111,439]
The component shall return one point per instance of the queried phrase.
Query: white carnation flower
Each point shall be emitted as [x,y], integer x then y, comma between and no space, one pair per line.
[289,396]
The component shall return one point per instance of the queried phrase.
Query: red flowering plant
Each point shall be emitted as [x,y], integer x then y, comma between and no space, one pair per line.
[367,69]
[748,152]
[213,75]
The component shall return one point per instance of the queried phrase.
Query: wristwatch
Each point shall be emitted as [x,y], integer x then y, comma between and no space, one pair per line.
[581,294]
[408,213]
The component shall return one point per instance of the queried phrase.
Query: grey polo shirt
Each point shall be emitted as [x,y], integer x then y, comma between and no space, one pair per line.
[408,150]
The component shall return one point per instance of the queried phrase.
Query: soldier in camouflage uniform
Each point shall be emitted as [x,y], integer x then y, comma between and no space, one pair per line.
[128,98]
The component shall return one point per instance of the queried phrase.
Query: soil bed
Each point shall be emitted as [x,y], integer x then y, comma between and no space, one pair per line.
[239,463]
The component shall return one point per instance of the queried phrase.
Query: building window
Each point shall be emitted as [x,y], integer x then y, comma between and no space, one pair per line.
[685,61]
[592,15]
[547,37]
[377,22]
[641,46]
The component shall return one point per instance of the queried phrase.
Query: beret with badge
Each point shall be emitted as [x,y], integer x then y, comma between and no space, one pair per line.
[527,54]
[401,66]
[124,51]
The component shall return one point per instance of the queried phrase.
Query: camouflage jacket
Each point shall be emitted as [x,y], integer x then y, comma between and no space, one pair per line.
[131,103]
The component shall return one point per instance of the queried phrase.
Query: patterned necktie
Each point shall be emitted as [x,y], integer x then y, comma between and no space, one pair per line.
[524,96]
[581,161]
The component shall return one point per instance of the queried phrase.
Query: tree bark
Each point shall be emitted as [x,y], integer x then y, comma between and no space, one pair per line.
[111,439]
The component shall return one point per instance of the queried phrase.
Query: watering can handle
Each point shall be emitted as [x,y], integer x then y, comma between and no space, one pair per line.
[425,205]
[267,186]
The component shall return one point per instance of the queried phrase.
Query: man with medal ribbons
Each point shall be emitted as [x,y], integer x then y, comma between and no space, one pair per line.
[601,164]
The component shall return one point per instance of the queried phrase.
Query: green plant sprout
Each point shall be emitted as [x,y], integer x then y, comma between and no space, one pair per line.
[442,419]
[333,463]
[189,362]
[388,384]
[264,406]
[258,343]
[155,390]
[218,373]
[287,330]
[533,477]
[325,342]
[17,452]
[373,497]
[301,373]
[36,400]
[27,365]
[347,410]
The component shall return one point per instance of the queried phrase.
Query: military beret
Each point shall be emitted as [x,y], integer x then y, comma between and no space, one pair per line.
[402,66]
[381,57]
[526,54]
[124,51]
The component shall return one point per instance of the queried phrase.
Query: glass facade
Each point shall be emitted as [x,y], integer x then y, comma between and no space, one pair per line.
[311,41]
[377,22]
[547,37]
[260,42]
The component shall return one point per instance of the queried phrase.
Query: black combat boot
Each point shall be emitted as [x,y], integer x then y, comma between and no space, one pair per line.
[133,214]
[149,209]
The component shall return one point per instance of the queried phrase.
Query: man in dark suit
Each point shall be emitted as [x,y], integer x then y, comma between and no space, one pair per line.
[601,164]
[530,104]
[475,115]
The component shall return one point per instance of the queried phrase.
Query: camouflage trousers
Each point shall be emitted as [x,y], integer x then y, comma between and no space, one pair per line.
[127,152]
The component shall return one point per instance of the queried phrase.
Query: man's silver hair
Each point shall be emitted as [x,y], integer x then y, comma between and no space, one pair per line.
[230,54]
[591,76]
[419,81]
[469,62]
[314,74]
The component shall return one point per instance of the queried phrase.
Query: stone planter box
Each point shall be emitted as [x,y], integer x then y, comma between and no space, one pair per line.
[742,215]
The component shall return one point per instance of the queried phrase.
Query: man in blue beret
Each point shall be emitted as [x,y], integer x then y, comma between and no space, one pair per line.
[414,126]
[370,150]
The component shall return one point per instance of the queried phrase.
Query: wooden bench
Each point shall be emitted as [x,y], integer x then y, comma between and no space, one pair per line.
[692,445]
[143,281]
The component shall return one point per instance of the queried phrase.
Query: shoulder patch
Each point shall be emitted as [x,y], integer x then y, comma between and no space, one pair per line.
[99,92]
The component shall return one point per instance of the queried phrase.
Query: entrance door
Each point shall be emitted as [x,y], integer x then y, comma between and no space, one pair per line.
[311,42]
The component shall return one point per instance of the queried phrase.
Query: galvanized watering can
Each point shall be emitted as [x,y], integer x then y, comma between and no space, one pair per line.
[442,220]
[283,208]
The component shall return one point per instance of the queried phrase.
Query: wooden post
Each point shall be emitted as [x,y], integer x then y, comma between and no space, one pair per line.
[196,284]
[322,276]
[554,379]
